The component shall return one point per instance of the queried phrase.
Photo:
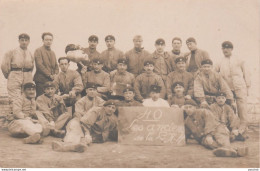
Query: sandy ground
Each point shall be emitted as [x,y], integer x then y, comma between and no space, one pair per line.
[13,153]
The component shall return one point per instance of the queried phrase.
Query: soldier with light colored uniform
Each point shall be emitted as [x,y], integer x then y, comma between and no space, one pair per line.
[155,100]
[17,67]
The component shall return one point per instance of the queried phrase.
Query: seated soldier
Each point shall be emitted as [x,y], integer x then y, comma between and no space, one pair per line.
[25,123]
[178,98]
[52,110]
[99,77]
[208,83]
[129,95]
[203,126]
[120,78]
[225,114]
[180,75]
[68,82]
[144,81]
[155,100]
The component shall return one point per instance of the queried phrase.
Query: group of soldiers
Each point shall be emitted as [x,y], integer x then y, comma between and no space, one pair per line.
[80,105]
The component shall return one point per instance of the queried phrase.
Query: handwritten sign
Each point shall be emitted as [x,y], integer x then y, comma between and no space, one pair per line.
[151,126]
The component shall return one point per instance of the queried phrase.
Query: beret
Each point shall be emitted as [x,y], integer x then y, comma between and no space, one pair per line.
[110,102]
[109,37]
[128,89]
[177,84]
[155,88]
[221,94]
[24,36]
[160,41]
[97,60]
[207,61]
[227,44]
[191,39]
[190,102]
[29,85]
[61,58]
[148,62]
[180,59]
[91,85]
[49,84]
[122,61]
[70,47]
[93,38]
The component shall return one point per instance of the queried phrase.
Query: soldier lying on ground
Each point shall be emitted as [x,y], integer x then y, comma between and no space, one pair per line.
[203,126]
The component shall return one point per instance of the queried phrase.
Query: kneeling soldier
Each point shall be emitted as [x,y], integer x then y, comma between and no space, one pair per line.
[129,95]
[25,123]
[155,100]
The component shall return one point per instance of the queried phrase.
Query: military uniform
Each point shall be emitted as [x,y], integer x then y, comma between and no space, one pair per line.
[143,83]
[174,55]
[136,60]
[126,103]
[175,100]
[17,67]
[158,103]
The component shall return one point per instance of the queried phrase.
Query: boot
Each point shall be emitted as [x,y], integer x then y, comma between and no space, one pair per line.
[242,151]
[33,139]
[240,137]
[62,147]
[58,133]
[225,152]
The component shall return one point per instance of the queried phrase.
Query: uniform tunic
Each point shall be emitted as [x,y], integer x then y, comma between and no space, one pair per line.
[101,78]
[143,83]
[129,103]
[174,55]
[92,53]
[17,59]
[136,60]
[110,57]
[177,101]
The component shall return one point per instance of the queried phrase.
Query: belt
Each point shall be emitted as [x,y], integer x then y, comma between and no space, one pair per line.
[21,69]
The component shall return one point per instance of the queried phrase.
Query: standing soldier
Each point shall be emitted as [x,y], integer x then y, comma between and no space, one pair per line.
[176,50]
[137,56]
[111,55]
[17,67]
[46,63]
[163,63]
[235,73]
[195,56]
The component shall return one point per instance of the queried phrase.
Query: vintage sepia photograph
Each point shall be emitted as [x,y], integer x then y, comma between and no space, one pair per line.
[129,84]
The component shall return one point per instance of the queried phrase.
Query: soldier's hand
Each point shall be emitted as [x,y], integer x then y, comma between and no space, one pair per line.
[84,70]
[51,125]
[88,139]
[235,132]
[52,77]
[72,94]
[187,97]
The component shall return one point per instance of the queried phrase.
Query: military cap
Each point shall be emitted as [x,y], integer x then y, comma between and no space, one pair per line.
[62,58]
[122,61]
[98,61]
[155,88]
[29,85]
[148,62]
[160,41]
[177,84]
[190,102]
[207,61]
[70,47]
[24,36]
[49,84]
[191,39]
[91,85]
[221,94]
[93,38]
[110,102]
[110,37]
[128,89]
[227,44]
[180,59]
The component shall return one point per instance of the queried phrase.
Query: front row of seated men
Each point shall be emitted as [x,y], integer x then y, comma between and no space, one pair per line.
[95,120]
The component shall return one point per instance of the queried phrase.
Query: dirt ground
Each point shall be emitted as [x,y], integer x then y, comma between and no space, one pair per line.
[13,153]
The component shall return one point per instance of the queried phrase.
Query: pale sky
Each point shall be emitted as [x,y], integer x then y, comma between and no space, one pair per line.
[210,21]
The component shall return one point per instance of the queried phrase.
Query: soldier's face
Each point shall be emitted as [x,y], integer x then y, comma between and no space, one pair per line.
[64,65]
[30,93]
[24,43]
[206,68]
[181,65]
[221,100]
[110,44]
[160,48]
[227,51]
[189,109]
[176,45]
[47,40]
[93,44]
[91,92]
[154,95]
[110,109]
[49,91]
[179,90]
[138,43]
[121,67]
[192,46]
[129,95]
[97,67]
[149,68]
